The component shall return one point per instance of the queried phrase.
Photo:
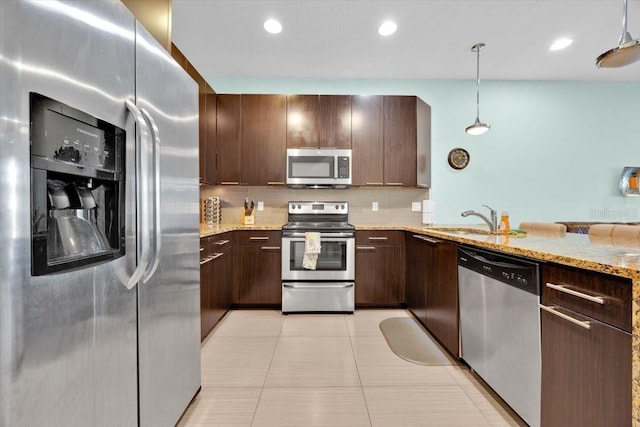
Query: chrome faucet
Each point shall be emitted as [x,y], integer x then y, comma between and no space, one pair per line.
[493,222]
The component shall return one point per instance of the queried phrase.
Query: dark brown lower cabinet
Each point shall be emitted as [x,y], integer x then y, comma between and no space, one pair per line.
[215,280]
[586,373]
[379,268]
[432,287]
[257,268]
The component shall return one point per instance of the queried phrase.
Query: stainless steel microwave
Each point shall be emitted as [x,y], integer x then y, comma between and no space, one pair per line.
[318,168]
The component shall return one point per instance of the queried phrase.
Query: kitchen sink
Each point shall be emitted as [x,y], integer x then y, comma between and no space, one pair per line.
[463,231]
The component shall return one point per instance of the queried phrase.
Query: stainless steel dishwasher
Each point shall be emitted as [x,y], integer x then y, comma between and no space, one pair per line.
[500,326]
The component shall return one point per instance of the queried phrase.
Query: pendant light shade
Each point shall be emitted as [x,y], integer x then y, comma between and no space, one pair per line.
[627,51]
[477,128]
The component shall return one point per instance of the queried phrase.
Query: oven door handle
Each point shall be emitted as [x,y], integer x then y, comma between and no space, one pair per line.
[322,235]
[337,286]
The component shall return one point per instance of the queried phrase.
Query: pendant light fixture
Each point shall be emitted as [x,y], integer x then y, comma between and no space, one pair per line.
[628,50]
[477,128]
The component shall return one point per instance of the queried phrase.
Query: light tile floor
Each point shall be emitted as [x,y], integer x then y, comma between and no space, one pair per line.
[260,368]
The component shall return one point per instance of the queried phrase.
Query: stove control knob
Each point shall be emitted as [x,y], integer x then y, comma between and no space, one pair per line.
[342,207]
[337,207]
[299,206]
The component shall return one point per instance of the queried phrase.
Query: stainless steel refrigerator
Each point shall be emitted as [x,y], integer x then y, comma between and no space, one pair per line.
[99,277]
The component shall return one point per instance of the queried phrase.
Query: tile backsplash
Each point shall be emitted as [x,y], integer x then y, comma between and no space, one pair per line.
[394,204]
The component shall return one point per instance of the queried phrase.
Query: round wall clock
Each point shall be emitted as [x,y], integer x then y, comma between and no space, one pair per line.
[458,158]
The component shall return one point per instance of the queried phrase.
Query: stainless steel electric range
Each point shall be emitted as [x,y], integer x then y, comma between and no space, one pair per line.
[330,286]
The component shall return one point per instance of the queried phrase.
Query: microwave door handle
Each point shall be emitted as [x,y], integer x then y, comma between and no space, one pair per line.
[142,189]
[157,230]
[336,168]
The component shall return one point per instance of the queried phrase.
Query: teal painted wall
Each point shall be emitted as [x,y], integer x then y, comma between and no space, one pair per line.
[555,150]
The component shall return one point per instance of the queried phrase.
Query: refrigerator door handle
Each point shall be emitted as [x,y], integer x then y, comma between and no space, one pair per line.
[157,230]
[142,189]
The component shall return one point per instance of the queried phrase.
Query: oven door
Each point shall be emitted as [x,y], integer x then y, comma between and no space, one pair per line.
[336,260]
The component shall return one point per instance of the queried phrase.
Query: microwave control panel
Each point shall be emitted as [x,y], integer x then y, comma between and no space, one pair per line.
[343,167]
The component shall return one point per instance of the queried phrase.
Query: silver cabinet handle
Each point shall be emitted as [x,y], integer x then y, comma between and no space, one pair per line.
[566,290]
[217,255]
[426,239]
[206,260]
[586,325]
[348,285]
[222,242]
[270,248]
[157,229]
[229,183]
[374,183]
[366,248]
[142,189]
[201,249]
[275,183]
[258,238]
[377,238]
[393,183]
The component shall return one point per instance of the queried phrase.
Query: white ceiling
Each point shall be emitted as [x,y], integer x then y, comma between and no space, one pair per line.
[339,39]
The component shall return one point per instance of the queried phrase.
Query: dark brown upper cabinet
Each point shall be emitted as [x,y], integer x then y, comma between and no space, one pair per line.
[367,140]
[302,121]
[264,139]
[334,121]
[228,136]
[407,141]
[318,121]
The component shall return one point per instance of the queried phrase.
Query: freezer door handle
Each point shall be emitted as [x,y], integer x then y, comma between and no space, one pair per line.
[142,189]
[157,230]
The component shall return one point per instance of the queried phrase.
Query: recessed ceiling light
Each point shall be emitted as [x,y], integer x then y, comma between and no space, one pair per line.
[387,28]
[272,26]
[561,43]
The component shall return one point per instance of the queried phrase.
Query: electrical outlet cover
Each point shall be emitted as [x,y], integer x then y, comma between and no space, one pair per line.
[415,206]
[374,206]
[260,206]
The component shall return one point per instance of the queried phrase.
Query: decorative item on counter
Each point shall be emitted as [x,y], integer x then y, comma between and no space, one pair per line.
[629,184]
[211,212]
[248,218]
[517,233]
[504,227]
[428,212]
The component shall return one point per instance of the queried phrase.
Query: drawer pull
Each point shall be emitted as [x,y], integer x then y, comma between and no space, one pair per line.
[377,238]
[270,248]
[586,325]
[561,288]
[206,260]
[275,183]
[217,255]
[426,239]
[374,183]
[366,248]
[258,238]
[201,249]
[393,183]
[229,183]
[222,242]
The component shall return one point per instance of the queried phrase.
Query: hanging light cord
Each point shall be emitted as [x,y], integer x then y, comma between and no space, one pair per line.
[478,82]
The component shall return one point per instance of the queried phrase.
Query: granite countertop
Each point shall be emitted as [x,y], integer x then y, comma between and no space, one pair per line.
[576,250]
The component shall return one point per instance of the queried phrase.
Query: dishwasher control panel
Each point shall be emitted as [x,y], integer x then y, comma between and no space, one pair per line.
[514,271]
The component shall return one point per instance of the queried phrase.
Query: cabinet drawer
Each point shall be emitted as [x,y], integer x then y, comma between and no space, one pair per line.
[600,296]
[268,238]
[377,237]
[214,244]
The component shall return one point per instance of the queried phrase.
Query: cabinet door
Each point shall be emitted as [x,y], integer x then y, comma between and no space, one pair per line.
[264,139]
[417,275]
[334,121]
[302,121]
[441,315]
[220,294]
[369,280]
[367,140]
[270,285]
[400,140]
[586,373]
[210,138]
[228,139]
[205,305]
